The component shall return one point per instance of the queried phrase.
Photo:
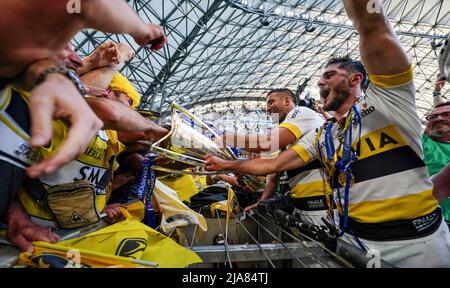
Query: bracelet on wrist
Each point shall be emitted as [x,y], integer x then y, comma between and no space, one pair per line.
[437,93]
[71,75]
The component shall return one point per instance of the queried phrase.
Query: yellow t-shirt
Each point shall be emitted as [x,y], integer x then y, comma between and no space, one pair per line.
[90,166]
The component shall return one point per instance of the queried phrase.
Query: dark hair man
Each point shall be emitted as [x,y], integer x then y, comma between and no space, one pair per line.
[306,185]
[371,150]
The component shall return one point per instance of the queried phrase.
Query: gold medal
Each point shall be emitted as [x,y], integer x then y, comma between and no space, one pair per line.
[343,179]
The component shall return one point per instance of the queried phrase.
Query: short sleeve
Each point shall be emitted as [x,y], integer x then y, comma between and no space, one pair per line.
[305,147]
[300,121]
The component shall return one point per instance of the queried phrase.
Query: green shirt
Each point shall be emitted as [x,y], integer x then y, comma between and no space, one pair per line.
[436,155]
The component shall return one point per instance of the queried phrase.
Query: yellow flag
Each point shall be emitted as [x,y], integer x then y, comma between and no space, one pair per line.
[128,243]
[231,204]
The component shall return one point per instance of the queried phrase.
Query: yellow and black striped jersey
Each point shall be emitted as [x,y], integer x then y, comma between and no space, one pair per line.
[391,180]
[307,186]
[90,166]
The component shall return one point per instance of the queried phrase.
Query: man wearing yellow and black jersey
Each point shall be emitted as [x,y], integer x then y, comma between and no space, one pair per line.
[89,166]
[372,151]
[307,186]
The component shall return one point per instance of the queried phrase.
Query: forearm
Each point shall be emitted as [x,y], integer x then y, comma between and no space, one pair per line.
[129,138]
[100,78]
[131,121]
[113,16]
[254,143]
[26,80]
[380,49]
[365,15]
[255,166]
[287,160]
[88,65]
[271,185]
[117,116]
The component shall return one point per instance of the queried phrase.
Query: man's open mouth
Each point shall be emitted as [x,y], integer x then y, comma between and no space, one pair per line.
[324,93]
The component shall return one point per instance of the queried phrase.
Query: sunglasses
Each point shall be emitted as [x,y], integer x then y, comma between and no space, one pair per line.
[444,115]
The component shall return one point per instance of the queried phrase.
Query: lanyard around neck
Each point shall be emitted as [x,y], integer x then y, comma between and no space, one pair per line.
[342,164]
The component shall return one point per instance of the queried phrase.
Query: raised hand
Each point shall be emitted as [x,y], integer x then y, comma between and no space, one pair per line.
[105,54]
[440,82]
[153,36]
[57,98]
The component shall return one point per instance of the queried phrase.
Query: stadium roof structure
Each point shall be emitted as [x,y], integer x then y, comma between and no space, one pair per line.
[223,51]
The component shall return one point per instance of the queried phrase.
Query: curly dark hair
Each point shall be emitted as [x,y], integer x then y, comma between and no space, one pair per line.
[351,65]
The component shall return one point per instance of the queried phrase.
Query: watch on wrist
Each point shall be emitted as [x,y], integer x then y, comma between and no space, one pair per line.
[71,75]
[436,93]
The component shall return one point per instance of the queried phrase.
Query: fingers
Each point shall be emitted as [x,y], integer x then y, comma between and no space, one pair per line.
[158,43]
[251,207]
[81,132]
[144,143]
[83,128]
[40,234]
[22,243]
[41,111]
[113,213]
[24,236]
[115,55]
[210,164]
[95,91]
[159,38]
[103,93]
[153,36]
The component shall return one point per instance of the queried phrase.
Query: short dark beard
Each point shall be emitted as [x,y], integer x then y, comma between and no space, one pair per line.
[341,92]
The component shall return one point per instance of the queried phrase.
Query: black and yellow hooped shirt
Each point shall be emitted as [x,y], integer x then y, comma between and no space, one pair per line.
[307,186]
[90,166]
[391,198]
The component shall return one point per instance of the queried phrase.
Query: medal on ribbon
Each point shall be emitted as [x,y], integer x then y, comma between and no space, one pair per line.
[343,179]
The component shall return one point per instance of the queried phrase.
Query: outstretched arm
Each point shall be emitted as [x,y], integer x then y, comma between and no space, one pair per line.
[100,75]
[259,142]
[119,117]
[116,16]
[381,50]
[269,190]
[287,160]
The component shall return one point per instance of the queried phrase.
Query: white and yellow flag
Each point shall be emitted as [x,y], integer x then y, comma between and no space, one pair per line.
[128,243]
